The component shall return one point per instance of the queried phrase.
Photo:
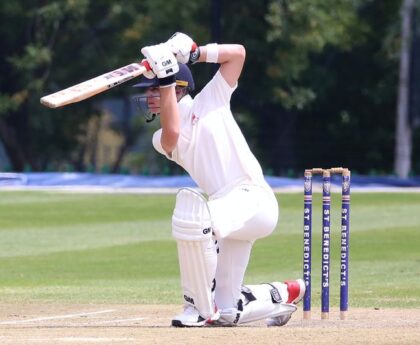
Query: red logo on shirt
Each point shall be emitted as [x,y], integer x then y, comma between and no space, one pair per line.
[194,119]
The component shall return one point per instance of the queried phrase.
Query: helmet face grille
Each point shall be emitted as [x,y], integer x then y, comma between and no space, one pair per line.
[141,102]
[149,108]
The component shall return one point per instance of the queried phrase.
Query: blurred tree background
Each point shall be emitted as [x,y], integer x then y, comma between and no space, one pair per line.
[319,88]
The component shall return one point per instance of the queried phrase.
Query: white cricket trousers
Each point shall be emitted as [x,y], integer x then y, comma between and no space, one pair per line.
[240,217]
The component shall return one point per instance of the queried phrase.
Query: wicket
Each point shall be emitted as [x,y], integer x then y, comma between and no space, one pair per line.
[326,231]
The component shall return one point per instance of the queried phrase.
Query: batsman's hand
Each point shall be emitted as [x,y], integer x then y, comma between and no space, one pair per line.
[161,60]
[183,47]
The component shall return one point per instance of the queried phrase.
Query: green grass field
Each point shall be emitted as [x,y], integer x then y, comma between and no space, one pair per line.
[117,248]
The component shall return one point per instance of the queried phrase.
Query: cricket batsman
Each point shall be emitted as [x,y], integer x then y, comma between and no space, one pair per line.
[214,231]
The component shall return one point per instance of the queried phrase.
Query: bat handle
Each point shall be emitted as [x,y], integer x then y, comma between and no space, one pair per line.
[145,63]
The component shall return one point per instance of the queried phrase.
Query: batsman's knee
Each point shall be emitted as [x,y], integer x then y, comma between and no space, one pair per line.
[191,220]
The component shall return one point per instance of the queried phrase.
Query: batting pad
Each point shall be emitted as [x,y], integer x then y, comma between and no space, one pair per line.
[191,227]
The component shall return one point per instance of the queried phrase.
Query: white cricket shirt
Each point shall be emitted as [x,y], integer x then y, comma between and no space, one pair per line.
[211,146]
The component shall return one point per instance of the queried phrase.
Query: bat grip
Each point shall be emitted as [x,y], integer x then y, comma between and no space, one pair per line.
[145,63]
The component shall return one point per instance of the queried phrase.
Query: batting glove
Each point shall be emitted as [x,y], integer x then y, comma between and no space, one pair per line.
[184,48]
[162,62]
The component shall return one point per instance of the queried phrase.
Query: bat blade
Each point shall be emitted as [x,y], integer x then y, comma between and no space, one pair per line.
[92,87]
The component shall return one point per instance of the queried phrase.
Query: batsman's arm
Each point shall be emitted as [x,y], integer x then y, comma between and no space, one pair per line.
[164,64]
[231,58]
[169,119]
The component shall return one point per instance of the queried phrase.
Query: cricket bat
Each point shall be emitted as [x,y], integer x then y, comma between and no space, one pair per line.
[92,87]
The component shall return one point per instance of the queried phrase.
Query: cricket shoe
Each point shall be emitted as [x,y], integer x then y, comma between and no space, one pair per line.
[278,321]
[191,318]
[296,291]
